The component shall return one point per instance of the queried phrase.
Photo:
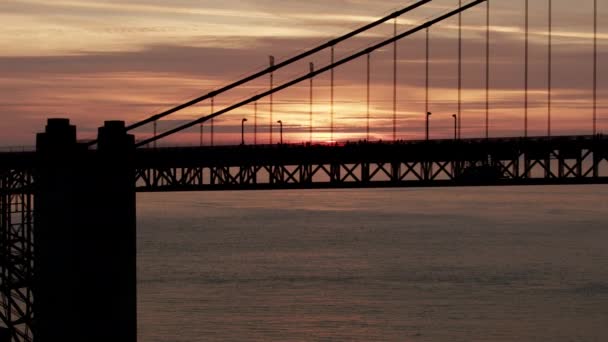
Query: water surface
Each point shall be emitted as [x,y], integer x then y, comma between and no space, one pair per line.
[465,264]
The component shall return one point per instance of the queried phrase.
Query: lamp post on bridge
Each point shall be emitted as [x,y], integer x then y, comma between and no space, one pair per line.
[243,131]
[428,116]
[455,126]
[280,131]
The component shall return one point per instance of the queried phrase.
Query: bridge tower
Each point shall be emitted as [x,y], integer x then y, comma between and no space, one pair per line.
[84,236]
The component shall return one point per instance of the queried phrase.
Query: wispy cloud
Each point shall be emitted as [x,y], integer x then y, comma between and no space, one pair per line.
[97,60]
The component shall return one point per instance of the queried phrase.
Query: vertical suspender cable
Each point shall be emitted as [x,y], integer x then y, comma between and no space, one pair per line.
[271,58]
[368,92]
[255,123]
[426,91]
[526,68]
[155,133]
[395,82]
[331,86]
[312,70]
[549,68]
[201,134]
[594,67]
[458,121]
[211,124]
[488,69]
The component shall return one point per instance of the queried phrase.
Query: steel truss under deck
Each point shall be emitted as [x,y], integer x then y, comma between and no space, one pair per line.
[513,161]
[16,254]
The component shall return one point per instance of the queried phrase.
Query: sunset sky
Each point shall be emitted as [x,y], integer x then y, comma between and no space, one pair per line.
[127,59]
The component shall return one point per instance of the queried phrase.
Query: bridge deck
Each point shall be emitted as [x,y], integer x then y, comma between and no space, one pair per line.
[498,161]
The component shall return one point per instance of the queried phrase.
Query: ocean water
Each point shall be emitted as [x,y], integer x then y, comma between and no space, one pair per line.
[462,264]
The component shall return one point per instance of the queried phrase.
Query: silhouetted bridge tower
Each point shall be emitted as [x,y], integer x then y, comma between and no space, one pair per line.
[67,209]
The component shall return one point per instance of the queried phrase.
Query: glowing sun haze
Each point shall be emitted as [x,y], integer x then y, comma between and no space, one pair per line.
[93,61]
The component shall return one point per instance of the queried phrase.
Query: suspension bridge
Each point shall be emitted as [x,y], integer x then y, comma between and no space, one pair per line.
[67,261]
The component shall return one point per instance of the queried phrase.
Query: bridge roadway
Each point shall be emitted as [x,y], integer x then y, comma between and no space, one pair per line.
[467,162]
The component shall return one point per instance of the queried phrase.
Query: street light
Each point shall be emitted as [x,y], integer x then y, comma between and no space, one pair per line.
[455,126]
[243,131]
[428,115]
[281,131]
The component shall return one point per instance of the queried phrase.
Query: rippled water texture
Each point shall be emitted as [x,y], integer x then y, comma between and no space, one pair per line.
[467,264]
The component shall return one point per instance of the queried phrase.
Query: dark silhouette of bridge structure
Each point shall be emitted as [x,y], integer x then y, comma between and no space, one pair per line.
[67,243]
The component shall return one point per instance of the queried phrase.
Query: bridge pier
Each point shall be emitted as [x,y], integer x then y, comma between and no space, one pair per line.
[84,240]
